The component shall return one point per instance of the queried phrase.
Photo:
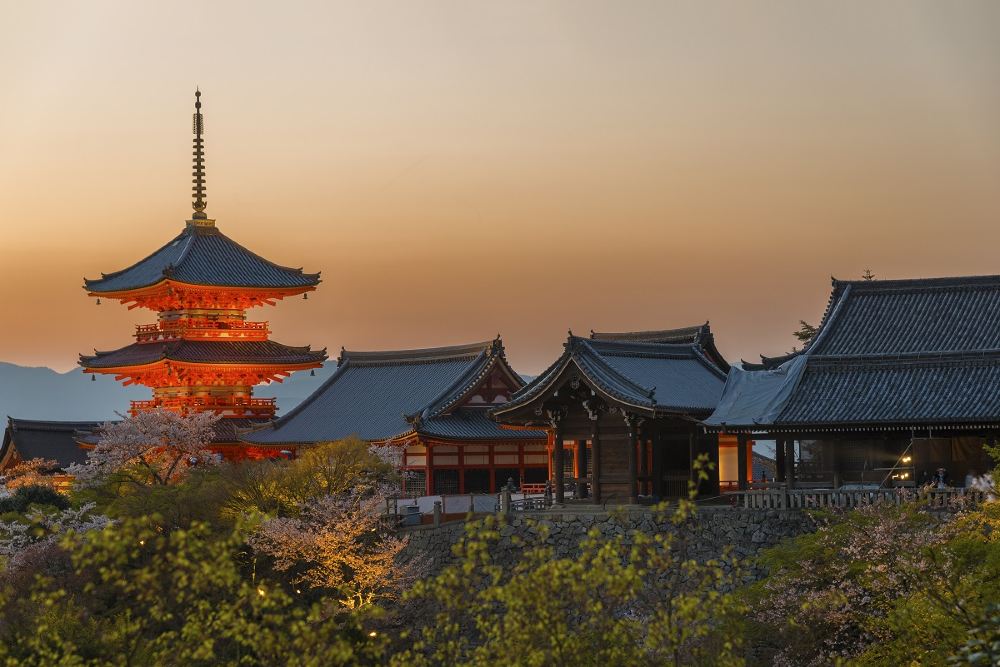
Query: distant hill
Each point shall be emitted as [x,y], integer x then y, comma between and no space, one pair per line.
[42,393]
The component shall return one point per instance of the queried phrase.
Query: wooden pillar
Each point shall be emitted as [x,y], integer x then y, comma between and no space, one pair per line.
[741,461]
[595,465]
[658,455]
[429,481]
[834,446]
[790,462]
[692,455]
[581,468]
[555,418]
[632,428]
[644,461]
[779,460]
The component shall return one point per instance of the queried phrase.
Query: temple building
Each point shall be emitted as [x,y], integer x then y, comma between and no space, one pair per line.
[59,441]
[433,404]
[202,353]
[623,413]
[900,384]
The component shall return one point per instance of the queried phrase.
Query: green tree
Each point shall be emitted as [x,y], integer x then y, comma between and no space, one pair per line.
[623,600]
[142,596]
[805,333]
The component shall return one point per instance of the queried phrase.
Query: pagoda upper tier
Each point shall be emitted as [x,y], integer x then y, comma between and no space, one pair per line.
[202,354]
[202,268]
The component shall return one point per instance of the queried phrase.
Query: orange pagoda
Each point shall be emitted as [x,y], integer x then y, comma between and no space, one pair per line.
[202,353]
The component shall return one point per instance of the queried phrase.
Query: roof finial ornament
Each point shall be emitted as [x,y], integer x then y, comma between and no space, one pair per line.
[199,202]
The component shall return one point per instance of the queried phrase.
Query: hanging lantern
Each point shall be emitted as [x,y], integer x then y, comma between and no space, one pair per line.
[306,296]
[98,301]
[93,378]
[312,373]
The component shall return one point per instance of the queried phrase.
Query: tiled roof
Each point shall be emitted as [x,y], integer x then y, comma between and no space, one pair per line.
[203,256]
[700,334]
[680,335]
[652,377]
[382,395]
[266,352]
[46,440]
[892,352]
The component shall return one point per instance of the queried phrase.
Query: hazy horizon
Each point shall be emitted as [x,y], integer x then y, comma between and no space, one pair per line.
[458,169]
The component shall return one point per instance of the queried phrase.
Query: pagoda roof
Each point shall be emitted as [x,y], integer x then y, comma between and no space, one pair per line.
[265,352]
[700,334]
[899,353]
[56,440]
[380,396]
[203,255]
[652,378]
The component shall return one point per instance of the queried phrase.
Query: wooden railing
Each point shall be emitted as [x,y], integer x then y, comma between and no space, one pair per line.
[201,328]
[840,498]
[256,406]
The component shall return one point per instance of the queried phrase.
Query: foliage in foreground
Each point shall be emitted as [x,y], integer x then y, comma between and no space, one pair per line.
[614,603]
[882,585]
[135,595]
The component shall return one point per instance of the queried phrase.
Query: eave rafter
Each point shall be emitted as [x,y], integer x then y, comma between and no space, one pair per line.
[170,294]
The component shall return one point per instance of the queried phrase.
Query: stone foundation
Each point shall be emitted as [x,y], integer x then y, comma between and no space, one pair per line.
[712,529]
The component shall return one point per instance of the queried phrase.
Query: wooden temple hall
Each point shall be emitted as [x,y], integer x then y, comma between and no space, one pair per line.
[899,387]
[623,412]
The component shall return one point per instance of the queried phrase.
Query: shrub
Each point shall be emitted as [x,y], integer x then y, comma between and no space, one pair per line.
[26,496]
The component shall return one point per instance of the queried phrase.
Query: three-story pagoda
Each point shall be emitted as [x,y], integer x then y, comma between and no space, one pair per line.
[202,353]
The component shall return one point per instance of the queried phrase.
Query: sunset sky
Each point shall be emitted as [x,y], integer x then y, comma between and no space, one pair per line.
[458,169]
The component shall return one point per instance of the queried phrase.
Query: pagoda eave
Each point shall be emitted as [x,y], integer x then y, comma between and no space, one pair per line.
[169,294]
[169,372]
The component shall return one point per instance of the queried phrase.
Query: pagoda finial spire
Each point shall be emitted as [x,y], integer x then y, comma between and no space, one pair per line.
[199,202]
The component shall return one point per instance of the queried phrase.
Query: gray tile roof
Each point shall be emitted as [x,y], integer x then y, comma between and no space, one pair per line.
[203,256]
[233,352]
[888,353]
[46,440]
[700,334]
[653,377]
[382,395]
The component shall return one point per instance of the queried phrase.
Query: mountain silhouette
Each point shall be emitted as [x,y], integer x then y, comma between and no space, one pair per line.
[42,393]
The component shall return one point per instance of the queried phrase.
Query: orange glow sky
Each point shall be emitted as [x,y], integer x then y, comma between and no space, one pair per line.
[461,168]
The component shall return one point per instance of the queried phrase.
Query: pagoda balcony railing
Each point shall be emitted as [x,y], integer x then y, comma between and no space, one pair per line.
[250,407]
[201,329]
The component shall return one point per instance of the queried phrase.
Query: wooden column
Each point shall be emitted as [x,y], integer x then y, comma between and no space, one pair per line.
[658,455]
[779,460]
[632,428]
[835,460]
[692,455]
[429,481]
[555,419]
[644,461]
[595,452]
[581,468]
[790,462]
[741,461]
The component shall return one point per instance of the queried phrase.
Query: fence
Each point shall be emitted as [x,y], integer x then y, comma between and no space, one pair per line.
[841,498]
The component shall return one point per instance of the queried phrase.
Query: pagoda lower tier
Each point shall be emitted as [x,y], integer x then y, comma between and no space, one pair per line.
[213,375]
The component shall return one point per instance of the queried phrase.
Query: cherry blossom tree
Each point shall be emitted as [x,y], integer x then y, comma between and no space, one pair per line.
[33,537]
[339,543]
[154,447]
[30,473]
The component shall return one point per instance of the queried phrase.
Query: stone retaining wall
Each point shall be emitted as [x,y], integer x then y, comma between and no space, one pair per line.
[711,530]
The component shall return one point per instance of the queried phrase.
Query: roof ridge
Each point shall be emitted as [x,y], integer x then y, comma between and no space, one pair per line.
[939,281]
[418,355]
[466,378]
[677,331]
[627,381]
